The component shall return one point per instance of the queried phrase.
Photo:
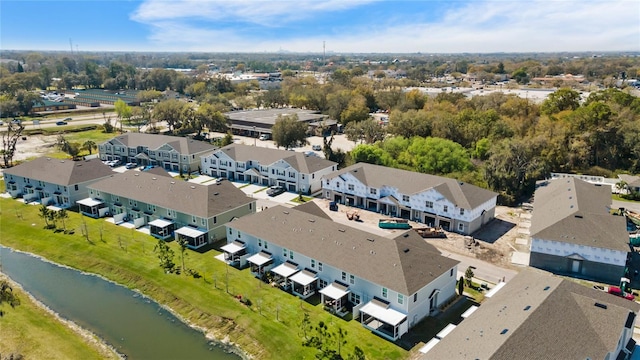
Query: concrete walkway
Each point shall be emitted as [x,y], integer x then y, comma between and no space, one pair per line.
[484,271]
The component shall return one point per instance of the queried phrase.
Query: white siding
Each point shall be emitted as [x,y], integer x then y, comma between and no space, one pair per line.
[593,254]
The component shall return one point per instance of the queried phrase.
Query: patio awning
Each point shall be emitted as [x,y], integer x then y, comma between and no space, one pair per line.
[161,223]
[233,247]
[89,202]
[285,269]
[54,208]
[253,172]
[190,232]
[260,258]
[375,309]
[389,200]
[335,291]
[304,277]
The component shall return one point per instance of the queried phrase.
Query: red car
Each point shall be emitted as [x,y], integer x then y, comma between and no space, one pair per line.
[614,290]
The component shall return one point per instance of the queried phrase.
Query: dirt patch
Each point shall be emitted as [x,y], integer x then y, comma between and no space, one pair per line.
[29,147]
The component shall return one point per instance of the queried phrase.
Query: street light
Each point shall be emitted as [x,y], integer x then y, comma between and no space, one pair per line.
[254,136]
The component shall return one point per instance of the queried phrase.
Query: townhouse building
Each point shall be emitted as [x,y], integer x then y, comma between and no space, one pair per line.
[170,207]
[573,233]
[172,153]
[390,284]
[433,200]
[538,316]
[54,181]
[296,172]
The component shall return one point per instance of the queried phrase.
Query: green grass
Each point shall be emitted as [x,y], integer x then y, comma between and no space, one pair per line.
[304,199]
[266,330]
[620,198]
[35,334]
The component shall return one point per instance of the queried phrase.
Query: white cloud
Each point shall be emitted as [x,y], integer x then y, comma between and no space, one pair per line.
[479,26]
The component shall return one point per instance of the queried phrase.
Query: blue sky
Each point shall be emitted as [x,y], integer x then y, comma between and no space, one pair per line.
[427,26]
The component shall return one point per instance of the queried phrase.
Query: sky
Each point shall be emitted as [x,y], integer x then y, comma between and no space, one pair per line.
[340,26]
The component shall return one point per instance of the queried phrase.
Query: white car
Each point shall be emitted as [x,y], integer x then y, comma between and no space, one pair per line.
[316,148]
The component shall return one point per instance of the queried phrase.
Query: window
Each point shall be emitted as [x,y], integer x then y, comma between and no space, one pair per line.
[415,297]
[302,176]
[320,266]
[445,208]
[290,254]
[384,292]
[284,252]
[323,284]
[460,227]
[203,222]
[351,187]
[429,204]
[193,219]
[352,279]
[171,213]
[239,235]
[338,185]
[215,219]
[405,198]
[266,245]
[450,274]
[344,276]
[259,242]
[400,299]
[313,264]
[355,298]
[75,187]
[461,211]
[230,231]
[373,191]
[250,206]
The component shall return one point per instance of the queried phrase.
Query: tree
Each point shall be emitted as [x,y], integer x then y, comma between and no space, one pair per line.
[461,285]
[171,111]
[468,275]
[9,142]
[520,76]
[305,326]
[89,145]
[560,100]
[7,296]
[123,110]
[182,241]
[227,139]
[288,131]
[358,354]
[45,214]
[62,214]
[165,255]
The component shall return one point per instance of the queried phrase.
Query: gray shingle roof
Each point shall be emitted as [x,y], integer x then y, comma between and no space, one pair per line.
[404,264]
[183,145]
[574,211]
[189,198]
[461,194]
[61,172]
[561,322]
[303,163]
[269,116]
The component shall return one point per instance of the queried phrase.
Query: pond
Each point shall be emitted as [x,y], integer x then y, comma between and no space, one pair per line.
[133,324]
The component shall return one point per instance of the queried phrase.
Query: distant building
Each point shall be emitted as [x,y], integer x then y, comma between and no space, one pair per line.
[257,122]
[573,233]
[537,316]
[434,200]
[172,153]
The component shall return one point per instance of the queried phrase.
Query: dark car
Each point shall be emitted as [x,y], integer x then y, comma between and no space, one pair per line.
[61,123]
[275,190]
[333,206]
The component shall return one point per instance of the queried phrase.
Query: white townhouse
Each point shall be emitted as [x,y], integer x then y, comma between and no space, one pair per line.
[54,181]
[389,284]
[170,207]
[434,200]
[573,232]
[296,172]
[172,153]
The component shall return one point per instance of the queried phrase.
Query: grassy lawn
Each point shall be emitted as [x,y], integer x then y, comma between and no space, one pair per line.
[35,334]
[297,199]
[267,329]
[620,198]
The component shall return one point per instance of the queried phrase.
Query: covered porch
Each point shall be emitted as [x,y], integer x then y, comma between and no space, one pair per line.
[334,298]
[92,207]
[260,263]
[252,176]
[234,253]
[382,320]
[282,273]
[304,283]
[388,205]
[162,229]
[196,238]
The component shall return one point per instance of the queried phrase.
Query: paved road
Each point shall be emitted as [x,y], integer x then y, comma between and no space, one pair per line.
[483,270]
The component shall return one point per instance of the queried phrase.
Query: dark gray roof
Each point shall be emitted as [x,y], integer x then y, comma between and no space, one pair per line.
[61,172]
[183,145]
[269,116]
[574,211]
[462,194]
[303,163]
[631,180]
[404,264]
[525,321]
[310,207]
[190,198]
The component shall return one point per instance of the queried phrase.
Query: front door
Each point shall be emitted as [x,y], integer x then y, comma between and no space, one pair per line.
[575,266]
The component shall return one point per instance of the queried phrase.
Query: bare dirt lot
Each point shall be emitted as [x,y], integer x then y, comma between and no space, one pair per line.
[495,243]
[33,146]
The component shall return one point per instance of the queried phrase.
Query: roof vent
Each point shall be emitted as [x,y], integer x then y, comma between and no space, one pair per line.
[406,250]
[504,331]
[136,174]
[193,187]
[578,216]
[600,305]
[216,193]
[285,212]
[154,178]
[526,308]
[406,234]
[370,239]
[173,182]
[341,230]
[312,220]
[547,288]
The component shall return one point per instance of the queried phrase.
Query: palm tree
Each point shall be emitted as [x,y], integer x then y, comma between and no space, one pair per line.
[89,145]
[45,214]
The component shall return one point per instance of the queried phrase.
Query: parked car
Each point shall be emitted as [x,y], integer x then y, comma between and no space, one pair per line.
[316,148]
[61,123]
[114,163]
[333,206]
[130,165]
[275,190]
[147,168]
[614,290]
[265,137]
[1,123]
[68,119]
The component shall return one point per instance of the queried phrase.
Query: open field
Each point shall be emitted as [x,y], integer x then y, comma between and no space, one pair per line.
[34,333]
[267,329]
